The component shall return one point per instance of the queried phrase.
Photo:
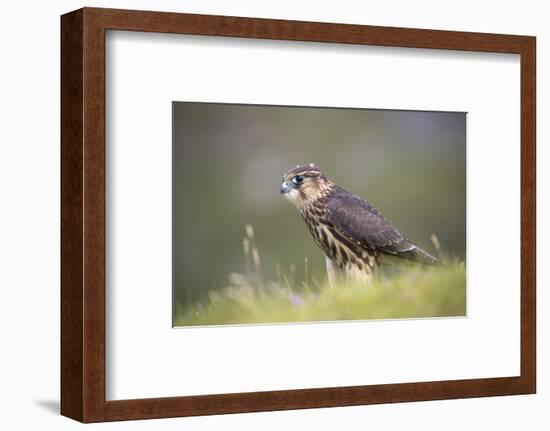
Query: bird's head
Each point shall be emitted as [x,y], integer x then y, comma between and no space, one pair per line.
[304,184]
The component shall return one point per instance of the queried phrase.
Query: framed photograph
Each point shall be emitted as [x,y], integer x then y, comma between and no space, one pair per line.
[268,270]
[265,215]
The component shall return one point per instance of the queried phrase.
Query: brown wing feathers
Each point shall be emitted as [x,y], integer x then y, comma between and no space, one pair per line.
[359,220]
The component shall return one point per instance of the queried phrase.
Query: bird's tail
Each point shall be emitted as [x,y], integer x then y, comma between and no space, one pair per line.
[418,255]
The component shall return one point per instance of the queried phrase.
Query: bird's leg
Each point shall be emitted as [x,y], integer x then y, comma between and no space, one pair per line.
[332,272]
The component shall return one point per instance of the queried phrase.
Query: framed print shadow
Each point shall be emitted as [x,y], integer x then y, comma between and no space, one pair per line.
[226,180]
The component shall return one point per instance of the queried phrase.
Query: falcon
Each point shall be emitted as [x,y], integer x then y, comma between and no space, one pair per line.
[353,234]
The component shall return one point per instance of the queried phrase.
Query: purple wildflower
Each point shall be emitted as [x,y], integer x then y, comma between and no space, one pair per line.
[295,299]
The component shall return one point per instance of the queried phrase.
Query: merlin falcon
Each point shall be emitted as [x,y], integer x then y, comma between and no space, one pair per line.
[353,234]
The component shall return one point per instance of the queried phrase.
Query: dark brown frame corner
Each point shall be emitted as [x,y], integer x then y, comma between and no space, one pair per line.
[83,214]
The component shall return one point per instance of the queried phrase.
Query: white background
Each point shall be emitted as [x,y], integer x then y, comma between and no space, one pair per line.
[29,225]
[146,358]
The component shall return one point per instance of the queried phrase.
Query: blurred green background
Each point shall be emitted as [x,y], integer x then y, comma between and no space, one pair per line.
[228,161]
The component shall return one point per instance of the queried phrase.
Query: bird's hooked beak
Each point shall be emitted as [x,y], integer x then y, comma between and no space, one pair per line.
[286,187]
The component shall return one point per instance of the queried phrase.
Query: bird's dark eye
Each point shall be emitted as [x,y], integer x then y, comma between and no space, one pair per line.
[298,179]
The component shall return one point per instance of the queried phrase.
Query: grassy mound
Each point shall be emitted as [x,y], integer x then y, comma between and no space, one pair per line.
[411,292]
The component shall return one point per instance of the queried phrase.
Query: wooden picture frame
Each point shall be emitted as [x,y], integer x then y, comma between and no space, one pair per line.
[83,214]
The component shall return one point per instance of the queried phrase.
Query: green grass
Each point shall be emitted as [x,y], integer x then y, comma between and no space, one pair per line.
[416,292]
[409,291]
